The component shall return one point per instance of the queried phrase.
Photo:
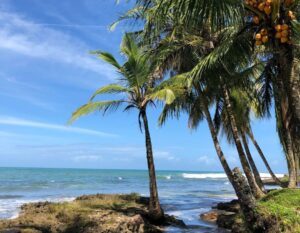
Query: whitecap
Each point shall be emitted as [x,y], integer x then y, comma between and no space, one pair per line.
[14,215]
[204,176]
[265,176]
[120,178]
[168,177]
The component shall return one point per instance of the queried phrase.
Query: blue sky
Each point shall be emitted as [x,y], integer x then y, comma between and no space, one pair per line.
[46,71]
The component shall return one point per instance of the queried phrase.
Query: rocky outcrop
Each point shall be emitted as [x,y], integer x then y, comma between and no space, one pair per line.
[87,214]
[224,214]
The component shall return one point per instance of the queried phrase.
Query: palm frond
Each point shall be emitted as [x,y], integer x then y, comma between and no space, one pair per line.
[107,57]
[110,89]
[166,95]
[101,106]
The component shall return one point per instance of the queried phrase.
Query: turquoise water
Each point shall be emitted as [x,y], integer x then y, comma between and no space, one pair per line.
[184,194]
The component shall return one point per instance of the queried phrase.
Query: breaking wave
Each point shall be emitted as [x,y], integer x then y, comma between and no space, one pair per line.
[204,176]
[220,175]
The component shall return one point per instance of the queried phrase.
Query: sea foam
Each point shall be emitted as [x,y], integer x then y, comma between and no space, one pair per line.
[204,176]
[220,175]
[268,176]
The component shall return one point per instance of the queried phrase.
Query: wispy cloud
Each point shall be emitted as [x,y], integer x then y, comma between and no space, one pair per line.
[86,158]
[21,35]
[165,155]
[72,25]
[4,120]
[208,160]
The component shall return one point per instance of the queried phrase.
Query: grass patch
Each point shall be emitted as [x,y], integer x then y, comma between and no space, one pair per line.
[86,214]
[284,205]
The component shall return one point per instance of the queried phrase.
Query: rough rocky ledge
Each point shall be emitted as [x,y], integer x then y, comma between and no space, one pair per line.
[223,214]
[87,214]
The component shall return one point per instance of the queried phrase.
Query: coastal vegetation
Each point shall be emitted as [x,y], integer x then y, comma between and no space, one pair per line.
[279,208]
[223,62]
[283,206]
[86,214]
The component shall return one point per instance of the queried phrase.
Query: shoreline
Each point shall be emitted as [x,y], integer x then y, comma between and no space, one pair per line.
[111,213]
[272,209]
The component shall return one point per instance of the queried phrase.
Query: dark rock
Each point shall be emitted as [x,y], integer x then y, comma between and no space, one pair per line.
[226,220]
[137,225]
[143,200]
[232,206]
[173,221]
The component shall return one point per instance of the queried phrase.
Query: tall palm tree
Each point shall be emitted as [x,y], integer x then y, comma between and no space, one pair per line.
[179,51]
[222,15]
[241,107]
[135,90]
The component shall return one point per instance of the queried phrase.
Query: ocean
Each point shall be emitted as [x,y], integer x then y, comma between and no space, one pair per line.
[182,193]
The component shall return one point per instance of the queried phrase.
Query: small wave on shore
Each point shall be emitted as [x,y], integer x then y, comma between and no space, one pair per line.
[221,176]
[10,207]
[10,196]
[265,176]
[204,176]
[168,177]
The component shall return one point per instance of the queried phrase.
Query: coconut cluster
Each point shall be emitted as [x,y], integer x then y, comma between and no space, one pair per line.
[262,37]
[282,32]
[262,5]
[289,2]
[266,29]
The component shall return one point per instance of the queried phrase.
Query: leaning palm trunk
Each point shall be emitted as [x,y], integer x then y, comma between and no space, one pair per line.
[257,192]
[260,152]
[239,183]
[155,210]
[219,151]
[289,77]
[252,163]
[283,127]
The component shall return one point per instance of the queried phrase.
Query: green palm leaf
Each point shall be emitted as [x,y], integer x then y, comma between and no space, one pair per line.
[110,89]
[167,95]
[107,57]
[91,107]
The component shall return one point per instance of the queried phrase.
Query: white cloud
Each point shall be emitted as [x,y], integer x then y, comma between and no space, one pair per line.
[8,134]
[164,155]
[86,158]
[4,120]
[21,35]
[206,160]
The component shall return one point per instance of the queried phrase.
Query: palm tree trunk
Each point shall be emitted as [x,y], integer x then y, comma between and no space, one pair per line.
[246,167]
[214,136]
[155,210]
[290,157]
[283,127]
[252,163]
[240,185]
[292,172]
[289,77]
[297,170]
[294,87]
[260,152]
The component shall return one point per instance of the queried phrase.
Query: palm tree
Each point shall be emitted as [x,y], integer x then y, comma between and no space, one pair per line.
[135,90]
[195,102]
[179,51]
[241,107]
[222,15]
[261,154]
